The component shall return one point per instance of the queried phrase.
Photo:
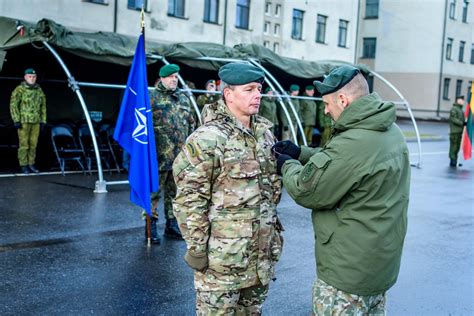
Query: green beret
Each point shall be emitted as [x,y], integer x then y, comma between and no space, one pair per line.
[460,97]
[268,89]
[336,79]
[30,71]
[294,87]
[309,88]
[210,81]
[169,69]
[240,73]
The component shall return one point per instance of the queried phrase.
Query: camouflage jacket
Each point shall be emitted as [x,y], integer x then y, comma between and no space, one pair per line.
[227,193]
[323,119]
[28,104]
[268,109]
[173,121]
[203,99]
[456,119]
[308,111]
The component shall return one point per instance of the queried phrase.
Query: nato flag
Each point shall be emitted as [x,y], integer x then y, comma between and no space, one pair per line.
[134,132]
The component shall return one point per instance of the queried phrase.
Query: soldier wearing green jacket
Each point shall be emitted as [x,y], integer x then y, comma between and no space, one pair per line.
[456,127]
[268,109]
[286,132]
[226,202]
[208,98]
[325,124]
[308,109]
[358,188]
[173,121]
[28,111]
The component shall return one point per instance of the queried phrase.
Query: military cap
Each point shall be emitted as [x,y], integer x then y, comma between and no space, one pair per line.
[268,89]
[336,79]
[460,97]
[294,87]
[30,71]
[309,88]
[240,73]
[210,81]
[167,70]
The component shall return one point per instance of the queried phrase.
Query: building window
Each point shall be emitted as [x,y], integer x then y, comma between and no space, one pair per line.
[137,4]
[469,90]
[266,44]
[297,25]
[268,8]
[276,47]
[342,40]
[462,44]
[98,1]
[211,11]
[452,9]
[276,30]
[464,11]
[266,27]
[449,48]
[243,11]
[372,9]
[369,47]
[472,54]
[446,84]
[277,10]
[176,8]
[321,28]
[458,88]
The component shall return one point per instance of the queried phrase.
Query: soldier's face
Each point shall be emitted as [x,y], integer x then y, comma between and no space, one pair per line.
[309,93]
[30,79]
[244,100]
[211,87]
[170,82]
[334,104]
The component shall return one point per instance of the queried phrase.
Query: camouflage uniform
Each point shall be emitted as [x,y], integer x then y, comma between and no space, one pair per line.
[456,127]
[308,116]
[286,132]
[325,124]
[228,190]
[172,122]
[268,109]
[28,107]
[327,300]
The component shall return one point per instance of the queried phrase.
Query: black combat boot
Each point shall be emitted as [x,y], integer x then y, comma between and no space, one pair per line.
[155,239]
[25,170]
[33,169]
[172,229]
[452,163]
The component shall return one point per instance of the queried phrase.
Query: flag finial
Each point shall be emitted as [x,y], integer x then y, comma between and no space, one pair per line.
[142,17]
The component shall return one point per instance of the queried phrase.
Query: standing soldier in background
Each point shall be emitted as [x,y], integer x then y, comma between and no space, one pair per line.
[228,191]
[173,122]
[308,113]
[286,132]
[268,109]
[325,124]
[28,111]
[208,98]
[456,127]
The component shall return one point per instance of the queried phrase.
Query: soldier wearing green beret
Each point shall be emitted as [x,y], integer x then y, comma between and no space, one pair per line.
[286,132]
[208,98]
[358,188]
[268,109]
[308,113]
[28,111]
[228,191]
[173,121]
[456,127]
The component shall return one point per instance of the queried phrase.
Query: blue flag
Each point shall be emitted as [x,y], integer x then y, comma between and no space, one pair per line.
[134,132]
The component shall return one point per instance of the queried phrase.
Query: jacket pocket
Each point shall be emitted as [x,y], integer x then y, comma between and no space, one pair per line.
[228,246]
[276,245]
[241,186]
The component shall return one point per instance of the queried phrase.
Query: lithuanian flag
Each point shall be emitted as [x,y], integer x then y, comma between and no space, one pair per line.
[468,131]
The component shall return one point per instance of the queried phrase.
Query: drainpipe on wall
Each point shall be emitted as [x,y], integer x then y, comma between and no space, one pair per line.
[357,32]
[442,57]
[225,22]
[115,16]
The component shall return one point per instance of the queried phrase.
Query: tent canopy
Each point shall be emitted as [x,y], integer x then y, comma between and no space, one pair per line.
[119,49]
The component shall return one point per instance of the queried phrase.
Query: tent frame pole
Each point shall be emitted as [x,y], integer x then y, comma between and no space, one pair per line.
[408,107]
[100,184]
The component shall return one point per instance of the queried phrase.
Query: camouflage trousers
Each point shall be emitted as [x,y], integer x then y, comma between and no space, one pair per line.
[168,187]
[325,135]
[28,140]
[327,300]
[247,301]
[454,145]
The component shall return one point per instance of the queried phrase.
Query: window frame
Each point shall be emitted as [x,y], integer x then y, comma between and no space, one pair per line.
[446,84]
[294,21]
[276,29]
[345,29]
[462,46]
[175,13]
[472,54]
[365,52]
[207,12]
[239,13]
[268,8]
[266,27]
[465,9]
[101,2]
[373,13]
[449,48]
[276,47]
[320,18]
[277,10]
[458,87]
[135,7]
[452,9]
[266,44]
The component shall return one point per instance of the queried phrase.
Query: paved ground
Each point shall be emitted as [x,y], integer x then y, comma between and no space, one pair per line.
[67,251]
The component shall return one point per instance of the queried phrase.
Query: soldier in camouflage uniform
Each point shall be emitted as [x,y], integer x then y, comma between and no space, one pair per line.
[208,98]
[268,109]
[28,111]
[308,109]
[325,124]
[173,121]
[456,127]
[286,132]
[228,191]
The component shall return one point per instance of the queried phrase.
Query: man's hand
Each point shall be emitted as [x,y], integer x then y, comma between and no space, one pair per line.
[197,262]
[17,125]
[280,161]
[286,147]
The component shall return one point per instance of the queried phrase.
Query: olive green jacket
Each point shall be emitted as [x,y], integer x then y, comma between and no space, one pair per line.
[28,104]
[323,119]
[268,109]
[308,110]
[358,188]
[456,119]
[283,117]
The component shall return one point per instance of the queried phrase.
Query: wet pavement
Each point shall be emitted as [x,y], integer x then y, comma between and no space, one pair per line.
[65,250]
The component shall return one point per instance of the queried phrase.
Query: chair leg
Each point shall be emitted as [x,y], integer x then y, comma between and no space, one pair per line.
[61,165]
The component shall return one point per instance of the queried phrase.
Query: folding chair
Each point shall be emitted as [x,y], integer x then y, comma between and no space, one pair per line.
[65,147]
[106,140]
[87,145]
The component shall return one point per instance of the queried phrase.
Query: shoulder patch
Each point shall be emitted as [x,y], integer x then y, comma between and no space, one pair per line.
[191,149]
[308,172]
